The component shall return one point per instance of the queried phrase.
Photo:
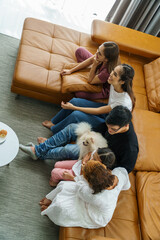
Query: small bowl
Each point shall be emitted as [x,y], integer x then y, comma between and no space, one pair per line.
[2,139]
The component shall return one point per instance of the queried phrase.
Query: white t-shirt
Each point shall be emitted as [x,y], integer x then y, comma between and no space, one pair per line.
[116,99]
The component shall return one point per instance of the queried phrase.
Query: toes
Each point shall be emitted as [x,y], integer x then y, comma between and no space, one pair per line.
[41,139]
[45,122]
[42,201]
[43,207]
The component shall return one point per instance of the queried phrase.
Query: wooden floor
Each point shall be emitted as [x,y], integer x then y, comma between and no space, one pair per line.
[76,14]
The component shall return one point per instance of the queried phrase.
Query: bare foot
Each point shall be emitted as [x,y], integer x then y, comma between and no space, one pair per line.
[47,124]
[43,207]
[33,149]
[41,139]
[45,202]
[52,183]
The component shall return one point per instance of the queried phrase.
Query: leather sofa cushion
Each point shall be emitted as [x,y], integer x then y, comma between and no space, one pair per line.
[139,88]
[152,79]
[43,51]
[147,128]
[148,193]
[77,81]
[100,238]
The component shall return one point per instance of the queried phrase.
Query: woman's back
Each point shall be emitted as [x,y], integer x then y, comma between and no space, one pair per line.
[74,203]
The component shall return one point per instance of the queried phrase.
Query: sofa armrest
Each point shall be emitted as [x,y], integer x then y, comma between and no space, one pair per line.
[96,237]
[129,40]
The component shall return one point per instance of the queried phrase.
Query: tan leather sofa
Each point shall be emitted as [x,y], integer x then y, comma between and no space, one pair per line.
[45,49]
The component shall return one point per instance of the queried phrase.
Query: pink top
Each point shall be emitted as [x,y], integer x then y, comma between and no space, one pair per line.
[81,55]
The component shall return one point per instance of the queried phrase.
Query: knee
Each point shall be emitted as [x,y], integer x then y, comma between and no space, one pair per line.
[74,114]
[73,101]
[57,174]
[70,153]
[78,52]
[78,116]
[57,164]
[54,173]
[70,128]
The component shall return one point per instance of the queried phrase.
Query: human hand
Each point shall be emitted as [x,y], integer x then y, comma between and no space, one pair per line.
[67,176]
[86,158]
[95,61]
[67,105]
[65,72]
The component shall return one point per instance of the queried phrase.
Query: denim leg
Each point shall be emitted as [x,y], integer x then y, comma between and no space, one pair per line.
[70,151]
[80,102]
[61,115]
[60,139]
[78,116]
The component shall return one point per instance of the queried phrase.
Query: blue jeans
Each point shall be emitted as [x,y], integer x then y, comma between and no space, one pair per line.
[66,117]
[58,147]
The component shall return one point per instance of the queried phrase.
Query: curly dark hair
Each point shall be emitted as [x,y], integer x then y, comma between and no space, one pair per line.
[98,176]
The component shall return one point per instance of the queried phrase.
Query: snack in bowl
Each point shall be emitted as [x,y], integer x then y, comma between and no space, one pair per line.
[3,133]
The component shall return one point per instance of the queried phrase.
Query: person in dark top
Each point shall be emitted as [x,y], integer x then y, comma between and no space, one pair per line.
[122,138]
[119,132]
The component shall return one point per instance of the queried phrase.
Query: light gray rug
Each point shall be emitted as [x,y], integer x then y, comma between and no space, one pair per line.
[24,182]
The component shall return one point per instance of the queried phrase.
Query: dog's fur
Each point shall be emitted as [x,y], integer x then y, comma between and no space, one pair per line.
[88,140]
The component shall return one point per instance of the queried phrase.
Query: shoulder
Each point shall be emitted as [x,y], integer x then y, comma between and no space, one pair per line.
[123,177]
[130,143]
[120,171]
[103,72]
[132,134]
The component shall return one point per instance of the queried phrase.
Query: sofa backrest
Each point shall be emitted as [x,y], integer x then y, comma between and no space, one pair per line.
[129,40]
[147,128]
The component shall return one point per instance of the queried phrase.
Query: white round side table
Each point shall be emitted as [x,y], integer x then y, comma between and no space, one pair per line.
[9,148]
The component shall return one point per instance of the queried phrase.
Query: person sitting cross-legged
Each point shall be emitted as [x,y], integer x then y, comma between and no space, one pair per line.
[118,130]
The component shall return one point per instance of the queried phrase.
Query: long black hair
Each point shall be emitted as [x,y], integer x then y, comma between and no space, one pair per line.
[111,53]
[127,75]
